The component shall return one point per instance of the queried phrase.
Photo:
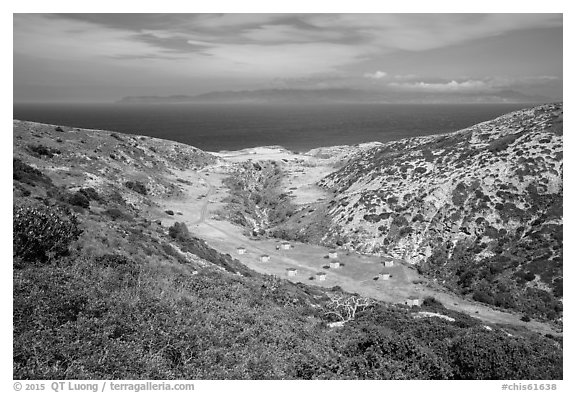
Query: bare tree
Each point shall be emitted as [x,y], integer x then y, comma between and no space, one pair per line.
[345,307]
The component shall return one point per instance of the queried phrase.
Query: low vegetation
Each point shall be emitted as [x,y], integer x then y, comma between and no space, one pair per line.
[42,233]
[108,293]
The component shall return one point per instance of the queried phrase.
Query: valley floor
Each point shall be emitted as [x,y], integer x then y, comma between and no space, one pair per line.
[204,195]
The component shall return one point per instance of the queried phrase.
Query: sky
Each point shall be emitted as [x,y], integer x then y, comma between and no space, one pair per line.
[104,57]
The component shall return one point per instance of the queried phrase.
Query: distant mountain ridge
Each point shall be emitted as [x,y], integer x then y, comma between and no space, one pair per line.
[267,96]
[334,96]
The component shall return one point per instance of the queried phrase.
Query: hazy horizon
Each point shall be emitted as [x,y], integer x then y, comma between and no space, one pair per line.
[100,58]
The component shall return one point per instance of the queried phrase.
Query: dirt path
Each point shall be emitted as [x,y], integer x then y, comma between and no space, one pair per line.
[205,202]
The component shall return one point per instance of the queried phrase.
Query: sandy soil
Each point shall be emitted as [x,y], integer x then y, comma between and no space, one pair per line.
[359,273]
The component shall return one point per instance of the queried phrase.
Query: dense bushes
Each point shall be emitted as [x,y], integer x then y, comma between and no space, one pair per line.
[481,355]
[500,280]
[24,173]
[42,233]
[97,322]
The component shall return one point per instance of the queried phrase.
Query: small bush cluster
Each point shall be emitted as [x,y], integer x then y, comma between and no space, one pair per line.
[41,150]
[137,186]
[83,197]
[179,231]
[24,173]
[42,233]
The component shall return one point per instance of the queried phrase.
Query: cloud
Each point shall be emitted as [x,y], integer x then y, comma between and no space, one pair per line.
[420,32]
[250,50]
[531,84]
[375,75]
[284,34]
[452,86]
[286,59]
[371,33]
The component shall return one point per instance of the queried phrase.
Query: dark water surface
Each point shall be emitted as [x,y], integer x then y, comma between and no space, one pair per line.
[233,127]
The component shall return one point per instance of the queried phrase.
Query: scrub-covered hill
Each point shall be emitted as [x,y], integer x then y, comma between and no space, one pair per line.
[479,209]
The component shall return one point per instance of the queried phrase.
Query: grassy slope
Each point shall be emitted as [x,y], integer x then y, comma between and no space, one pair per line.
[129,301]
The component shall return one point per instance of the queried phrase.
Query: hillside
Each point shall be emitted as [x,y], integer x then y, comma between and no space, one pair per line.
[111,284]
[479,210]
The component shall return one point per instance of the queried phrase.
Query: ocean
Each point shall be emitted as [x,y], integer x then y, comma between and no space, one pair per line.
[297,128]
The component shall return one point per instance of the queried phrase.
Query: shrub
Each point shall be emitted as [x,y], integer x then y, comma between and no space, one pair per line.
[43,233]
[58,129]
[79,199]
[525,318]
[179,231]
[483,297]
[117,214]
[529,276]
[137,186]
[169,212]
[400,221]
[459,194]
[24,173]
[405,231]
[90,193]
[41,150]
[431,302]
